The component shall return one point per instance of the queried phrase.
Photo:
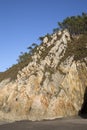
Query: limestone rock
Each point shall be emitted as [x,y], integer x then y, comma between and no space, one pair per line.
[45,40]
[49,87]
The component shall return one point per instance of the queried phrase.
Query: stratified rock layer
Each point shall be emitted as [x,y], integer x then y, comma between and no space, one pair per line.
[49,87]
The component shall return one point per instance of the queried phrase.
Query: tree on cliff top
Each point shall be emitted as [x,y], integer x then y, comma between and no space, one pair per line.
[75,24]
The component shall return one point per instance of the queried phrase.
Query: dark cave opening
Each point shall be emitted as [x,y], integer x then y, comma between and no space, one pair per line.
[83,111]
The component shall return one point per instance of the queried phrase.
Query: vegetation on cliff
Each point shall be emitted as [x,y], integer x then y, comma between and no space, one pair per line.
[77,26]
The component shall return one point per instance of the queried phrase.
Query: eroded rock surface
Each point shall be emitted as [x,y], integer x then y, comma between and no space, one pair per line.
[49,87]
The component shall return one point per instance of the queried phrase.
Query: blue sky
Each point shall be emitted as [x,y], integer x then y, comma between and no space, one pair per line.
[22,22]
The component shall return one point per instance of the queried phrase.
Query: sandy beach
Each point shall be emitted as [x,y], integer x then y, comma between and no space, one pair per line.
[58,124]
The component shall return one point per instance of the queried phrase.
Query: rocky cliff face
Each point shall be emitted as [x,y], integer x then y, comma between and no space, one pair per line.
[51,86]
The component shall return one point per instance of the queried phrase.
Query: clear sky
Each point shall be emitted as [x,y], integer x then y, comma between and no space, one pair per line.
[22,22]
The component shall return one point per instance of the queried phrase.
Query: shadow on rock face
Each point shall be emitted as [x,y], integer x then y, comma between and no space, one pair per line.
[83,111]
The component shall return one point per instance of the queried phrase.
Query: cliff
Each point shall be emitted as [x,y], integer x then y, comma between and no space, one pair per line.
[52,85]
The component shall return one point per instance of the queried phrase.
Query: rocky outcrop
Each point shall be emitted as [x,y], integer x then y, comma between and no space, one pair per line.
[49,87]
